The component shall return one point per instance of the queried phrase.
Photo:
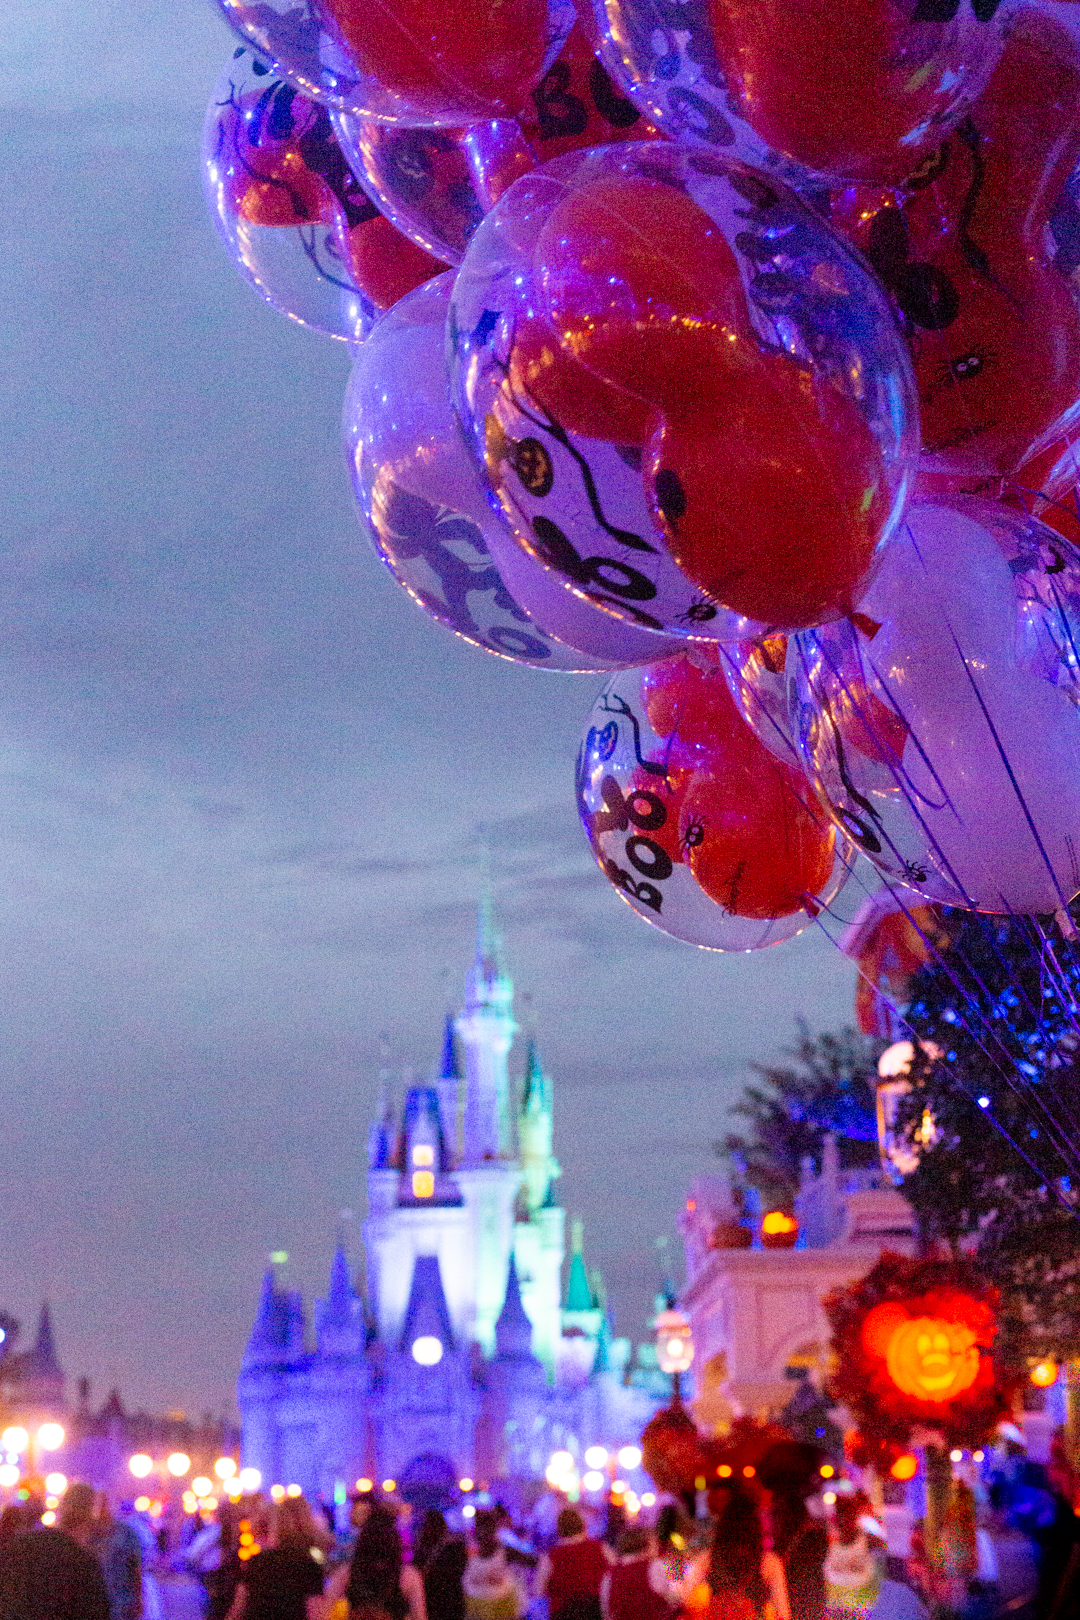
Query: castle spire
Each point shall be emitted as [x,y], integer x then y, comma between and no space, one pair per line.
[513,1330]
[339,1295]
[539,1168]
[487,1029]
[578,1293]
[448,1085]
[382,1137]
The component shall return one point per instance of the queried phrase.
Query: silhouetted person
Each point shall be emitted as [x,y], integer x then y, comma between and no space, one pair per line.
[377,1583]
[441,1559]
[48,1574]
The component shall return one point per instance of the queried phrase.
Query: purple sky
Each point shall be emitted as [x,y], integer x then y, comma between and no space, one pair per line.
[242,776]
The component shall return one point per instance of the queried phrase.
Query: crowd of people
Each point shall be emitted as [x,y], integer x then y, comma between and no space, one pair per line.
[758,1554]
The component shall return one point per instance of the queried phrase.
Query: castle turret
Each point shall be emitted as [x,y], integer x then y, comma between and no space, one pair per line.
[487,1030]
[427,1320]
[382,1135]
[426,1158]
[539,1167]
[277,1335]
[513,1330]
[448,1085]
[339,1318]
[35,1375]
[516,1387]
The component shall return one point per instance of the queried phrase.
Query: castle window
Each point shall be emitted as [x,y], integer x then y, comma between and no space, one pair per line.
[423,1154]
[423,1184]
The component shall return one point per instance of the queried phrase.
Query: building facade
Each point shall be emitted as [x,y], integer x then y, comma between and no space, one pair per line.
[756,1312]
[467,1358]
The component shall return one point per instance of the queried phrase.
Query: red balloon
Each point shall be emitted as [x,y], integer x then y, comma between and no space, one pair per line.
[386,264]
[487,52]
[575,105]
[969,258]
[861,91]
[756,842]
[769,488]
[641,287]
[267,178]
[772,509]
[576,398]
[747,824]
[687,703]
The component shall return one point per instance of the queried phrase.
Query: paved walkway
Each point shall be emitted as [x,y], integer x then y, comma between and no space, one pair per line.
[181,1597]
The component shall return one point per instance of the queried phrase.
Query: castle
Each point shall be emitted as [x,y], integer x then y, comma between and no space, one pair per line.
[467,1359]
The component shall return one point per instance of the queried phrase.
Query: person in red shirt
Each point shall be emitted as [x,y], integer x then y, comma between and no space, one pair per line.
[632,1589]
[570,1574]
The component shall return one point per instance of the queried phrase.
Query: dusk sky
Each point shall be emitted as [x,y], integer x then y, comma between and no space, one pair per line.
[242,779]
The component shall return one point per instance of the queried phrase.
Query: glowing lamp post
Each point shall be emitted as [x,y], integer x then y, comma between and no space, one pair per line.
[900,1149]
[674,1348]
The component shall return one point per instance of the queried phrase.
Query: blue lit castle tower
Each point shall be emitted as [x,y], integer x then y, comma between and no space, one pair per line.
[466,1359]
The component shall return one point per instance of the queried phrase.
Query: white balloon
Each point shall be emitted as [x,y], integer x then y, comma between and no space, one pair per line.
[942,726]
[423,501]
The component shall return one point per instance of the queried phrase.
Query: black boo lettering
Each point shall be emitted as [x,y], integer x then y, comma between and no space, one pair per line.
[619,579]
[620,813]
[646,894]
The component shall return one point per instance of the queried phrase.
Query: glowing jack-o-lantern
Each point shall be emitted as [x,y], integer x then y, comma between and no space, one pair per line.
[927,1357]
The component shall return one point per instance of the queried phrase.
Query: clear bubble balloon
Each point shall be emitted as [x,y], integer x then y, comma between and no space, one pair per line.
[703,832]
[421,179]
[979,255]
[865,93]
[426,510]
[690,398]
[425,62]
[282,197]
[941,723]
[437,184]
[756,676]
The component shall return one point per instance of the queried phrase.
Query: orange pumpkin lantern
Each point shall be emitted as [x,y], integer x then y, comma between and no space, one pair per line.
[913,1346]
[932,1359]
[779,1230]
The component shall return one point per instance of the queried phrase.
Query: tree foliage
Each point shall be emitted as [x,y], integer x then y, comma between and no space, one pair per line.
[997,1017]
[827,1085]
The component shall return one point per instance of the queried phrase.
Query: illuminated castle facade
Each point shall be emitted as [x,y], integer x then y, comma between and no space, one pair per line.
[467,1357]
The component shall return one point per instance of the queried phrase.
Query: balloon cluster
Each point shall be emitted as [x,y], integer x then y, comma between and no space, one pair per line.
[754,381]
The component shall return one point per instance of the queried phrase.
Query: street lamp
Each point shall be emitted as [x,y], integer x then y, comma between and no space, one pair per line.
[50,1436]
[178,1464]
[674,1347]
[901,1149]
[141,1465]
